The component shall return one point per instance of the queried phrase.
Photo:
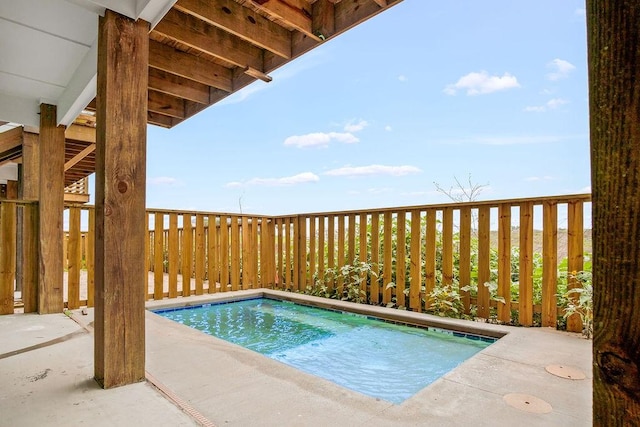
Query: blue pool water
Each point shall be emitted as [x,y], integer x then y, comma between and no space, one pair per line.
[383,360]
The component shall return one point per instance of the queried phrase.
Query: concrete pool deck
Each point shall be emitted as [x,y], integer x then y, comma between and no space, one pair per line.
[223,384]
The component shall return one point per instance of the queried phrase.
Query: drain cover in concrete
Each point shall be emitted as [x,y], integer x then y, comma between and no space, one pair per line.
[527,403]
[568,372]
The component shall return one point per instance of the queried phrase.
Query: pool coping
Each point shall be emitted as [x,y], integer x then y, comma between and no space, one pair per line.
[384,313]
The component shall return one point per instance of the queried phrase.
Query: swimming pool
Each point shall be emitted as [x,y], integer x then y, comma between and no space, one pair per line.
[384,360]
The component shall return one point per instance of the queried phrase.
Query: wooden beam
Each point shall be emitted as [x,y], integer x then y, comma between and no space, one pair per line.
[209,39]
[11,139]
[162,120]
[381,3]
[78,157]
[177,86]
[81,133]
[324,19]
[189,66]
[294,13]
[120,275]
[613,36]
[50,276]
[168,105]
[241,22]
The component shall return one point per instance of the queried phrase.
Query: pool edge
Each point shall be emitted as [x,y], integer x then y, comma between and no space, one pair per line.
[391,314]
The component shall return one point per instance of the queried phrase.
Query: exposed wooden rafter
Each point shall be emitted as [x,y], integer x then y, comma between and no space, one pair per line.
[204,50]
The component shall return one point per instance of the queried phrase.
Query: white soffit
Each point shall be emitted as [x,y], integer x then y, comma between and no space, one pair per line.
[48,53]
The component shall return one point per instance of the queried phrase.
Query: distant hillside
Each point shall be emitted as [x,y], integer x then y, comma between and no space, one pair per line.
[537,241]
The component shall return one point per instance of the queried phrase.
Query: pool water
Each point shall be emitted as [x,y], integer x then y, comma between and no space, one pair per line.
[384,360]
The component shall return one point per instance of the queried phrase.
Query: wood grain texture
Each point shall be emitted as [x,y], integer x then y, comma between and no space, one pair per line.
[362,249]
[575,258]
[235,253]
[484,261]
[549,264]
[199,254]
[302,253]
[186,254]
[90,258]
[213,253]
[430,255]
[614,110]
[416,263]
[158,256]
[29,258]
[504,262]
[8,215]
[74,261]
[464,267]
[401,258]
[447,246]
[120,200]
[50,280]
[525,300]
[374,291]
[174,255]
[224,253]
[387,256]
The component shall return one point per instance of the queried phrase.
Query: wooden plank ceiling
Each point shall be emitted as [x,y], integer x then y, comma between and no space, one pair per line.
[204,50]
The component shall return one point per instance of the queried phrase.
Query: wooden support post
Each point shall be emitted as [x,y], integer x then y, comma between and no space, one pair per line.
[7,255]
[121,280]
[29,190]
[50,275]
[613,33]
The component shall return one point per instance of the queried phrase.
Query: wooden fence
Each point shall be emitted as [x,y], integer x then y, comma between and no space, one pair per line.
[448,244]
[411,250]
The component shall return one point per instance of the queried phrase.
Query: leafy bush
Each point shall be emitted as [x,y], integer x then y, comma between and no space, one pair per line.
[580,301]
[445,301]
[350,276]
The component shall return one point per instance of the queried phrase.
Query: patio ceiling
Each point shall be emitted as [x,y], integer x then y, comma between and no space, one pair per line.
[200,51]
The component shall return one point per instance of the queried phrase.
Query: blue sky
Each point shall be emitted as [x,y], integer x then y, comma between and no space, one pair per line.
[420,93]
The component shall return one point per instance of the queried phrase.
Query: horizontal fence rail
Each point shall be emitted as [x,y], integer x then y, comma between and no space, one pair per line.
[507,259]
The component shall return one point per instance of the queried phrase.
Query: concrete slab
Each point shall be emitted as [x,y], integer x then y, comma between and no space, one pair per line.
[227,384]
[232,385]
[53,385]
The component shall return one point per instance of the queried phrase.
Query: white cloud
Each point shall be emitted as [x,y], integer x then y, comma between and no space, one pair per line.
[353,127]
[482,83]
[556,102]
[538,178]
[163,180]
[560,69]
[373,170]
[535,109]
[300,178]
[320,139]
[403,78]
[323,139]
[552,104]
[388,128]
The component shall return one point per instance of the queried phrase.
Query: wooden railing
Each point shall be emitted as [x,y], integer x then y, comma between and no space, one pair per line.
[448,244]
[18,254]
[78,192]
[218,252]
[524,246]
